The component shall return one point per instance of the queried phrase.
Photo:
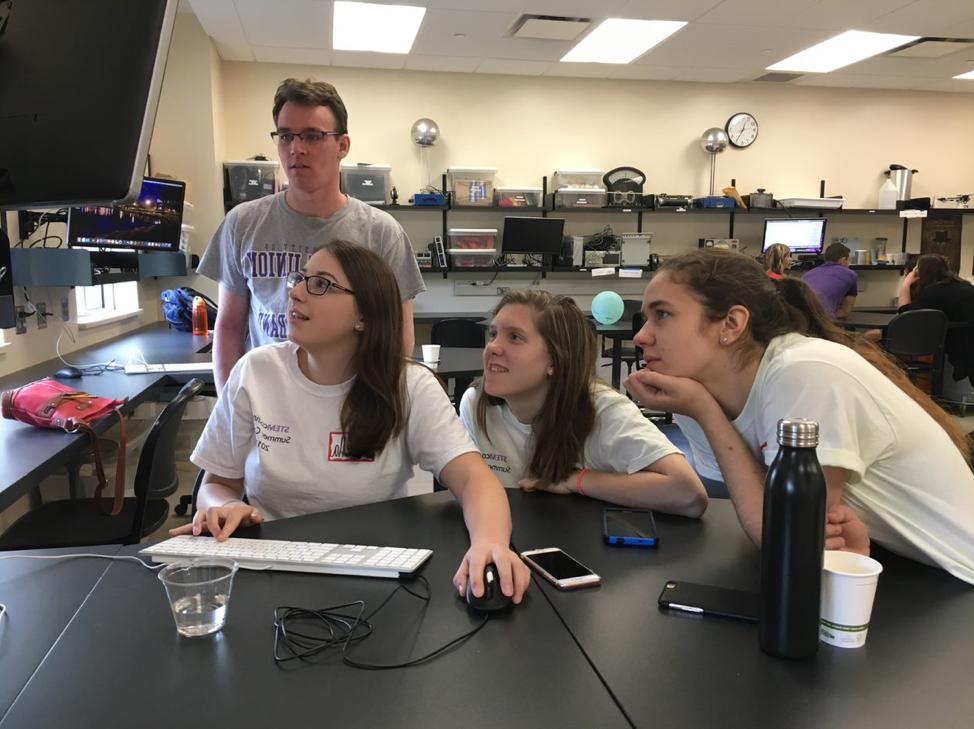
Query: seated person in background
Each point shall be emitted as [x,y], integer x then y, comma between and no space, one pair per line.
[732,352]
[932,285]
[544,422]
[835,284]
[777,260]
[336,417]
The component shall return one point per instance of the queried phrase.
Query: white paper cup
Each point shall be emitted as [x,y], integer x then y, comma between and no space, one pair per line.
[431,353]
[848,588]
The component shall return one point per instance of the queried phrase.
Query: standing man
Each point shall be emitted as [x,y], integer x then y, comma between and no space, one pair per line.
[260,242]
[835,284]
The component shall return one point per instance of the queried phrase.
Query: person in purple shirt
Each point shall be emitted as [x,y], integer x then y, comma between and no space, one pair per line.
[835,284]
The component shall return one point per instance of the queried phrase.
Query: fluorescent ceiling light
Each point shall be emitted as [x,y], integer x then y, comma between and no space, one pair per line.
[372,27]
[843,49]
[617,40]
[969,76]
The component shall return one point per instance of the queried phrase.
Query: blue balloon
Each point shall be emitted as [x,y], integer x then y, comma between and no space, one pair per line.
[607,307]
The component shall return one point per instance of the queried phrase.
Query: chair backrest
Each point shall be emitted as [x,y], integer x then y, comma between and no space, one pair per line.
[157,462]
[917,332]
[457,333]
[630,307]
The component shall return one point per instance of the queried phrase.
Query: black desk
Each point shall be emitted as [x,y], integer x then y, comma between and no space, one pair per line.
[28,454]
[42,597]
[867,320]
[672,670]
[455,362]
[121,664]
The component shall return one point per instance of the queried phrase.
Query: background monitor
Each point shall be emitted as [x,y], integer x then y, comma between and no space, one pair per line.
[151,222]
[79,85]
[803,235]
[533,235]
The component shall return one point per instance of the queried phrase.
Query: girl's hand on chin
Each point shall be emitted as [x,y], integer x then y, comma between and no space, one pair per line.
[668,393]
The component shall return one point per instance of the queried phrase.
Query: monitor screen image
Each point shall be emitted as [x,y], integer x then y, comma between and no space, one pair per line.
[151,222]
[533,235]
[803,236]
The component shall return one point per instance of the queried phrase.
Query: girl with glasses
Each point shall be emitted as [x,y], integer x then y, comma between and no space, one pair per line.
[543,421]
[732,352]
[335,417]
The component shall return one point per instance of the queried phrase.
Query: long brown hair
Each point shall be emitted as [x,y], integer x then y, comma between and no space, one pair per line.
[774,257]
[568,414]
[932,269]
[375,408]
[722,279]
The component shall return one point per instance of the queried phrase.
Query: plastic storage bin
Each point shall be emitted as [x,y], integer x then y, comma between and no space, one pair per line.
[576,197]
[368,183]
[578,179]
[517,197]
[472,186]
[471,247]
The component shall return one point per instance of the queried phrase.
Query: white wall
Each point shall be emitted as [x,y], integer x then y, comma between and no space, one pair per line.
[528,127]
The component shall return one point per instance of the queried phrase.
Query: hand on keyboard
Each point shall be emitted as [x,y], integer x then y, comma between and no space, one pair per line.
[220,521]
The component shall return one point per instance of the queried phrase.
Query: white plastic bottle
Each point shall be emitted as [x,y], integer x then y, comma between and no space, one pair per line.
[888,195]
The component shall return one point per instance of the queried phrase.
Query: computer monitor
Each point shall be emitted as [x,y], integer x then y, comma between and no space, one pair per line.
[533,235]
[804,236]
[79,85]
[151,222]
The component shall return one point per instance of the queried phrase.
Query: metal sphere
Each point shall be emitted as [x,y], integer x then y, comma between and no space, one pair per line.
[714,140]
[425,132]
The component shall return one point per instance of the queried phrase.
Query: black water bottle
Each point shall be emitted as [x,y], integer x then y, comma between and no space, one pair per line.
[792,543]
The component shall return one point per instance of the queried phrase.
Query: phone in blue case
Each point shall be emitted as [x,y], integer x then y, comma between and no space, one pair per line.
[629,527]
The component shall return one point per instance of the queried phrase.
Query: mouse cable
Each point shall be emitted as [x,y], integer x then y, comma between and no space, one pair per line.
[301,633]
[96,368]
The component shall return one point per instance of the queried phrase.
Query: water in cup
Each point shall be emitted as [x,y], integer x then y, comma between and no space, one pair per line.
[198,615]
[199,593]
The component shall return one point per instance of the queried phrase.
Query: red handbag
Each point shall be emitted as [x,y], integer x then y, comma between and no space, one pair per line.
[50,404]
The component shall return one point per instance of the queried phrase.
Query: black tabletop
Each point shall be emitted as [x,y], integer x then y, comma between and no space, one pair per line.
[28,454]
[42,597]
[867,320]
[455,361]
[673,670]
[121,664]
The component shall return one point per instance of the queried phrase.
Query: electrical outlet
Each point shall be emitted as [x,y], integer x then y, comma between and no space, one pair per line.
[501,290]
[21,320]
[65,309]
[41,315]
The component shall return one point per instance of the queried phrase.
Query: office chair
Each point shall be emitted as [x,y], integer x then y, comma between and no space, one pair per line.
[187,503]
[458,333]
[631,307]
[919,333]
[79,523]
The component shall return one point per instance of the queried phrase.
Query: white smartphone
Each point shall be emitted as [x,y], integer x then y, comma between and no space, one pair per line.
[559,569]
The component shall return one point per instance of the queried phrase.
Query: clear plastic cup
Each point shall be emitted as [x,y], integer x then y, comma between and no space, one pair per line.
[431,353]
[848,588]
[199,593]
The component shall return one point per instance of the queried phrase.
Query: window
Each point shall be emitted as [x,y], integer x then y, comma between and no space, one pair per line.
[98,304]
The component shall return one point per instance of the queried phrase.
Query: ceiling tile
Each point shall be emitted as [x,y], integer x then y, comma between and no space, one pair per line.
[580,70]
[644,73]
[927,17]
[366,59]
[720,74]
[234,51]
[823,14]
[300,56]
[667,9]
[286,23]
[512,67]
[858,80]
[562,8]
[436,35]
[455,64]
[220,21]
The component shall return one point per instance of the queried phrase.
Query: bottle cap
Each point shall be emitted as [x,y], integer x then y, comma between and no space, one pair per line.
[798,433]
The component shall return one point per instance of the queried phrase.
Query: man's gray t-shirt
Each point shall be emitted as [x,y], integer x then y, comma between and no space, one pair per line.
[259,243]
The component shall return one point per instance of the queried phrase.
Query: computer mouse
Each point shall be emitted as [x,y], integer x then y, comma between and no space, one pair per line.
[493,599]
[68,373]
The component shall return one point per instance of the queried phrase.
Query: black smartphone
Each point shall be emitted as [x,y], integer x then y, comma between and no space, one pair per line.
[629,527]
[724,602]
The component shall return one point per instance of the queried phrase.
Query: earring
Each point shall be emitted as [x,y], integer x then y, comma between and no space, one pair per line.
[551,371]
[359,327]
[723,340]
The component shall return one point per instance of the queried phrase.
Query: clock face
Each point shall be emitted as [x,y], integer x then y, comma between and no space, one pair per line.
[742,129]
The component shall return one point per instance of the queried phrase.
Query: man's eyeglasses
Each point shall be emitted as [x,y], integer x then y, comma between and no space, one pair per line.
[310,137]
[316,285]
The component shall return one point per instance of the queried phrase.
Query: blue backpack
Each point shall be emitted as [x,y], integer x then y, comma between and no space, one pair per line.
[177,308]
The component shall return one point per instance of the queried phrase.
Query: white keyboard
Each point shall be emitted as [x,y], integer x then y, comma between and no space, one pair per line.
[274,554]
[148,369]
